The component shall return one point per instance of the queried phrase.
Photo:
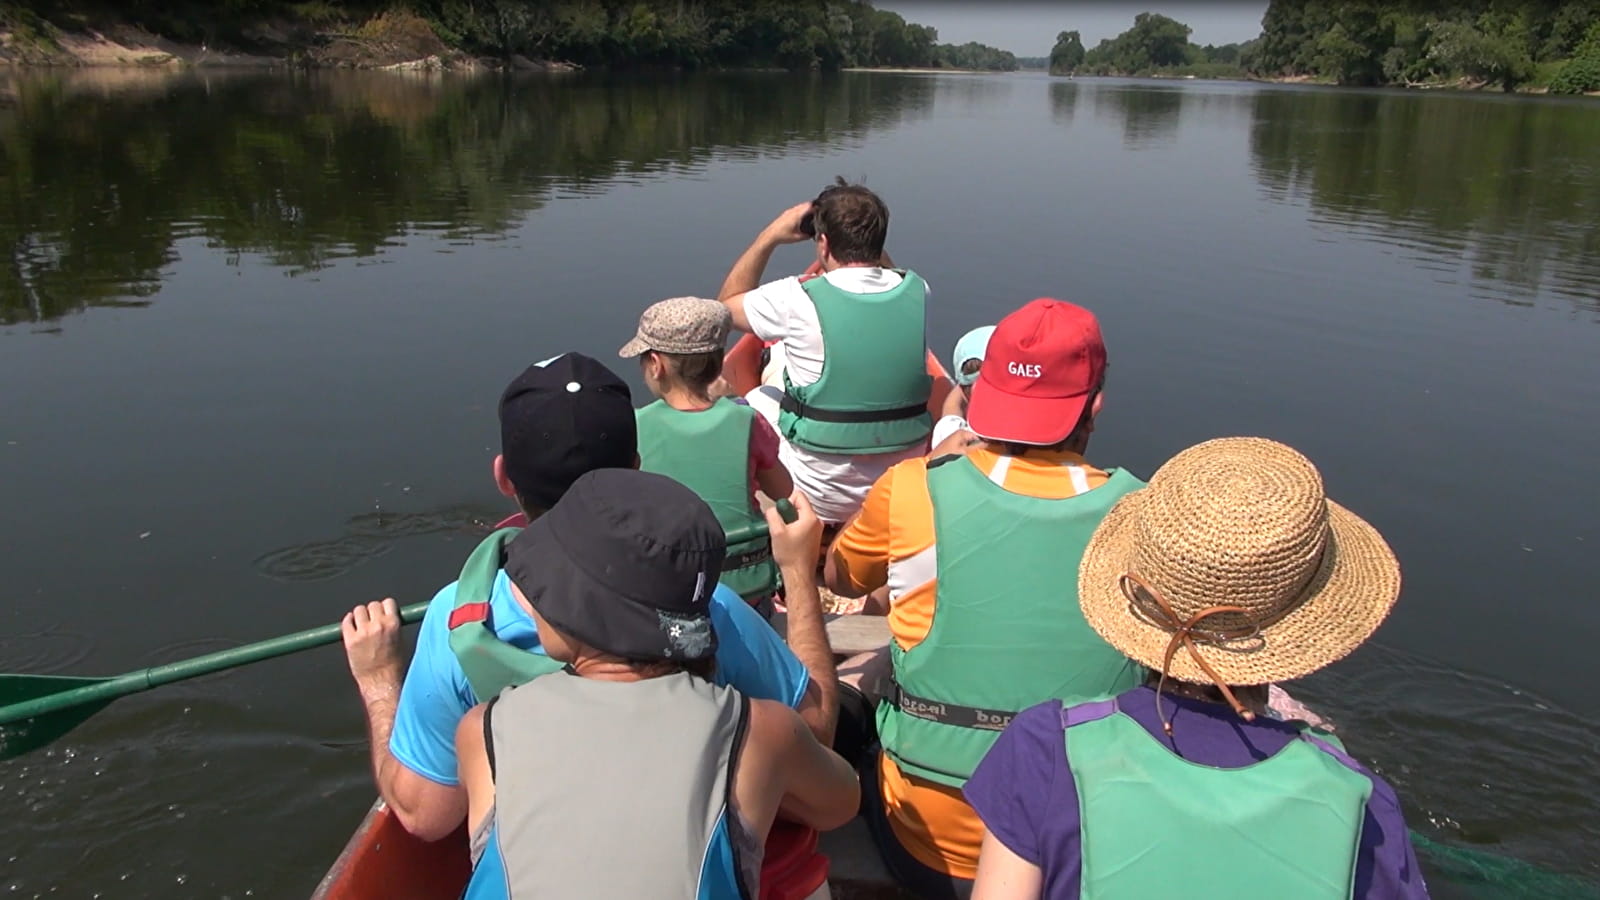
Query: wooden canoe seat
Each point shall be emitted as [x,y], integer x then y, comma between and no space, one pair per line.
[848,635]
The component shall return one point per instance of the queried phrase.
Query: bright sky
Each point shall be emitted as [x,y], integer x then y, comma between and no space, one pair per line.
[1029,27]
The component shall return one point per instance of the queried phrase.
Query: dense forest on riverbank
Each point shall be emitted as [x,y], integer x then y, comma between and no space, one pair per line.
[1508,44]
[793,34]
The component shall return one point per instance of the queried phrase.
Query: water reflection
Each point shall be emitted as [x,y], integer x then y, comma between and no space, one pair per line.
[1063,101]
[1149,115]
[100,179]
[1507,186]
[965,95]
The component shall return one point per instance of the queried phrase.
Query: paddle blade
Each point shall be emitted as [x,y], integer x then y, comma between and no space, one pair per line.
[1500,876]
[30,732]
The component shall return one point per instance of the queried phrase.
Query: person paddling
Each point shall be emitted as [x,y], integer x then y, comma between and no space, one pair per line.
[972,548]
[1230,572]
[848,388]
[720,448]
[559,420]
[630,774]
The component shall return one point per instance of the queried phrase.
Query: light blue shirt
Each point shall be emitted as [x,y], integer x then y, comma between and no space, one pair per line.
[751,658]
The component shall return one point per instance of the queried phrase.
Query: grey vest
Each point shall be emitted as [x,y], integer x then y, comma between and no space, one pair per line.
[616,789]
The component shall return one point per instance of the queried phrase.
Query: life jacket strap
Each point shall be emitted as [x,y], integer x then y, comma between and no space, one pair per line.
[749,558]
[1092,711]
[791,404]
[949,713]
[468,613]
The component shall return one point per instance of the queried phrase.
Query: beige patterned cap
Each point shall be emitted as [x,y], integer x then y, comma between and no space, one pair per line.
[681,325]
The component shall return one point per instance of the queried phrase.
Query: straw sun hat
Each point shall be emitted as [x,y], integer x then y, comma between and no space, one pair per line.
[1242,524]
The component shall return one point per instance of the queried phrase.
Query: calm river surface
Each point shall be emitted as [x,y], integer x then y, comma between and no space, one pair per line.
[252,331]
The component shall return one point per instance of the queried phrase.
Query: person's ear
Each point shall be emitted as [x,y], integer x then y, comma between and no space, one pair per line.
[500,480]
[637,462]
[822,248]
[1094,410]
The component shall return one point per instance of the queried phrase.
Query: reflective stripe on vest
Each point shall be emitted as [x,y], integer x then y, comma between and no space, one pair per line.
[489,663]
[1007,631]
[709,452]
[873,394]
[1288,826]
[618,789]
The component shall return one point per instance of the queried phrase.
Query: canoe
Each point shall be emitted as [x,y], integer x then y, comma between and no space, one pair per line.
[383,861]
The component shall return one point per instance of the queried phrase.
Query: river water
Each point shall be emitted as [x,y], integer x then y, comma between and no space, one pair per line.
[252,331]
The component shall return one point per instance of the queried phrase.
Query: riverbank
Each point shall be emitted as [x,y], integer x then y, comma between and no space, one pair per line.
[1462,84]
[924,70]
[392,40]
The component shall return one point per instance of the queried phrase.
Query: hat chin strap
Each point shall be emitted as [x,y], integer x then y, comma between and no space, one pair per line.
[1154,607]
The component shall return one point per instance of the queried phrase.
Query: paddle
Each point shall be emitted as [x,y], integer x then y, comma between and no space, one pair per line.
[35,710]
[1508,877]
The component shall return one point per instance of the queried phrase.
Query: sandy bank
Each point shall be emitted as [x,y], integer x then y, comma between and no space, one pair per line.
[390,41]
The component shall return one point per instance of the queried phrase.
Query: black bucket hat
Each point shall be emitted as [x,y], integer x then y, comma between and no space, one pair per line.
[626,562]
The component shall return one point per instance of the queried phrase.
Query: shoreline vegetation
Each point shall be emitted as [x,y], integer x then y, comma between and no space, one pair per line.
[1524,46]
[468,35]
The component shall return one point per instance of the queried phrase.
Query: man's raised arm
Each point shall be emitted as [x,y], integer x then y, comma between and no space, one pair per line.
[745,276]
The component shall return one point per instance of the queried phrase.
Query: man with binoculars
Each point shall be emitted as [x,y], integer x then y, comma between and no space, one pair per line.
[847,386]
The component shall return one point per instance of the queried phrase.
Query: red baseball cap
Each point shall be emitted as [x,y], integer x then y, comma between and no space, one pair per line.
[1042,364]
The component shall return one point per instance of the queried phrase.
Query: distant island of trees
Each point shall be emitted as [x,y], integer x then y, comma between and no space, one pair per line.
[1508,44]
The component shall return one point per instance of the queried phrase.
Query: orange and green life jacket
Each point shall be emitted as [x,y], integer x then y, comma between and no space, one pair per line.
[1007,630]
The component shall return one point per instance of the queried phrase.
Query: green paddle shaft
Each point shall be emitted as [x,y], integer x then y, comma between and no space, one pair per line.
[155,676]
[61,693]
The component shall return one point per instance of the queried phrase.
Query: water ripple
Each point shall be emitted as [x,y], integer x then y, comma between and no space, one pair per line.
[367,536]
[44,652]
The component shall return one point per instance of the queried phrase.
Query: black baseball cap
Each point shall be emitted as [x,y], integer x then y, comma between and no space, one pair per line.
[626,563]
[561,418]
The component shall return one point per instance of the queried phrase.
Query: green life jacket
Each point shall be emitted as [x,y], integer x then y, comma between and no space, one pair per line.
[873,394]
[709,452]
[1007,630]
[1153,822]
[490,664]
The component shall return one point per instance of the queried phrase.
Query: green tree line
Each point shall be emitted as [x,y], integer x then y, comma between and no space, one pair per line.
[793,34]
[973,55]
[1501,43]
[1155,45]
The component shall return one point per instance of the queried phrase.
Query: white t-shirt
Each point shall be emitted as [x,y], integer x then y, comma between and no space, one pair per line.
[946,426]
[782,311]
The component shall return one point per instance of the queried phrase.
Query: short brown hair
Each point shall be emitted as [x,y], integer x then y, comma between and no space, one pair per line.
[695,370]
[704,669]
[855,220]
